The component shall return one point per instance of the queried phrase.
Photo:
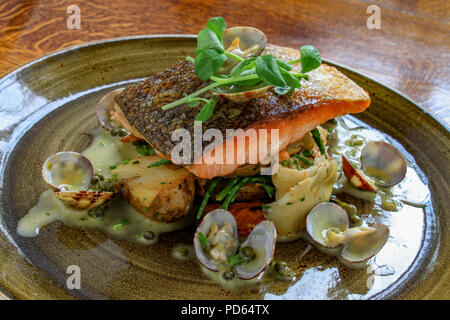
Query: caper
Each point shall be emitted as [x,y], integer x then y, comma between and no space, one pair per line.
[182,252]
[355,220]
[97,212]
[99,176]
[149,235]
[94,180]
[229,275]
[248,253]
[122,132]
[283,270]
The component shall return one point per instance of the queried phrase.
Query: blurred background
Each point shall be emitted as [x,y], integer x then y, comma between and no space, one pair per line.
[404,44]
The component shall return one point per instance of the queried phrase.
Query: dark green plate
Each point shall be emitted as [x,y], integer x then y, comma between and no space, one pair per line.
[47,104]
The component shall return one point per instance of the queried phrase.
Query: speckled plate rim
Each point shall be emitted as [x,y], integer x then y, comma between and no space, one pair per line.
[4,294]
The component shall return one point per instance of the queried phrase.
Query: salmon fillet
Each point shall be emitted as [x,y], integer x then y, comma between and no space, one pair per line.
[327,94]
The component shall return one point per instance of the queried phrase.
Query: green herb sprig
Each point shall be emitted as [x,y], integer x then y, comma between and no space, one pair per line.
[265,69]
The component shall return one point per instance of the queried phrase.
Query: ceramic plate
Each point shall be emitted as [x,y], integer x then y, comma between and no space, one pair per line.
[47,105]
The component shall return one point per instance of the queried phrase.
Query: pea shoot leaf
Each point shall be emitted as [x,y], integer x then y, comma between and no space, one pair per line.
[283,64]
[218,25]
[207,39]
[207,110]
[283,90]
[309,58]
[207,63]
[242,66]
[267,69]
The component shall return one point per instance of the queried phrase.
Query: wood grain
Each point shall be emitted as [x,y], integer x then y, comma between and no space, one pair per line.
[411,51]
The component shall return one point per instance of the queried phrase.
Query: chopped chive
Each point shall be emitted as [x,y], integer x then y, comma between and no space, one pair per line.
[285,163]
[316,136]
[119,226]
[159,163]
[136,162]
[102,144]
[298,166]
[289,203]
[208,193]
[265,206]
[125,162]
[163,182]
[269,189]
[308,162]
[227,189]
[47,213]
[112,167]
[303,199]
[204,242]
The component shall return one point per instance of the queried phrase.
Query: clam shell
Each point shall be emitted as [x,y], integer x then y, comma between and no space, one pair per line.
[364,248]
[73,171]
[67,168]
[385,161]
[248,37]
[219,216]
[84,200]
[262,239]
[105,108]
[242,96]
[353,174]
[323,217]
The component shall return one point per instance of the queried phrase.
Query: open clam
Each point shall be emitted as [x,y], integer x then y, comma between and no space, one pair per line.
[365,247]
[216,243]
[323,218]
[245,42]
[384,162]
[328,226]
[69,175]
[105,110]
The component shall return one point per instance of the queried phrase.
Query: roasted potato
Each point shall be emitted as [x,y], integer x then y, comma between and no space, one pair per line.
[164,193]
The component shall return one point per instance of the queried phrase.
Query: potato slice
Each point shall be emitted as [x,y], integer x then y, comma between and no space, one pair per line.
[164,193]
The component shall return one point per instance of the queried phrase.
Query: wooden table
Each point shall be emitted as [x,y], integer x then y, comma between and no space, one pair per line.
[411,51]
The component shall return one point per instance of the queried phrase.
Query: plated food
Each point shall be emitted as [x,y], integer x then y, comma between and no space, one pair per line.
[129,183]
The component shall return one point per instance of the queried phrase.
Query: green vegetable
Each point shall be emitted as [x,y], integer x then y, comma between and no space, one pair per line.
[308,162]
[307,153]
[235,189]
[204,242]
[225,191]
[112,167]
[236,259]
[125,162]
[285,163]
[159,163]
[144,150]
[207,63]
[283,90]
[208,193]
[310,58]
[316,136]
[268,70]
[270,190]
[123,222]
[207,110]
[136,162]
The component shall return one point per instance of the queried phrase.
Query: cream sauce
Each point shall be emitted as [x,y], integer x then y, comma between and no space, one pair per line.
[120,220]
